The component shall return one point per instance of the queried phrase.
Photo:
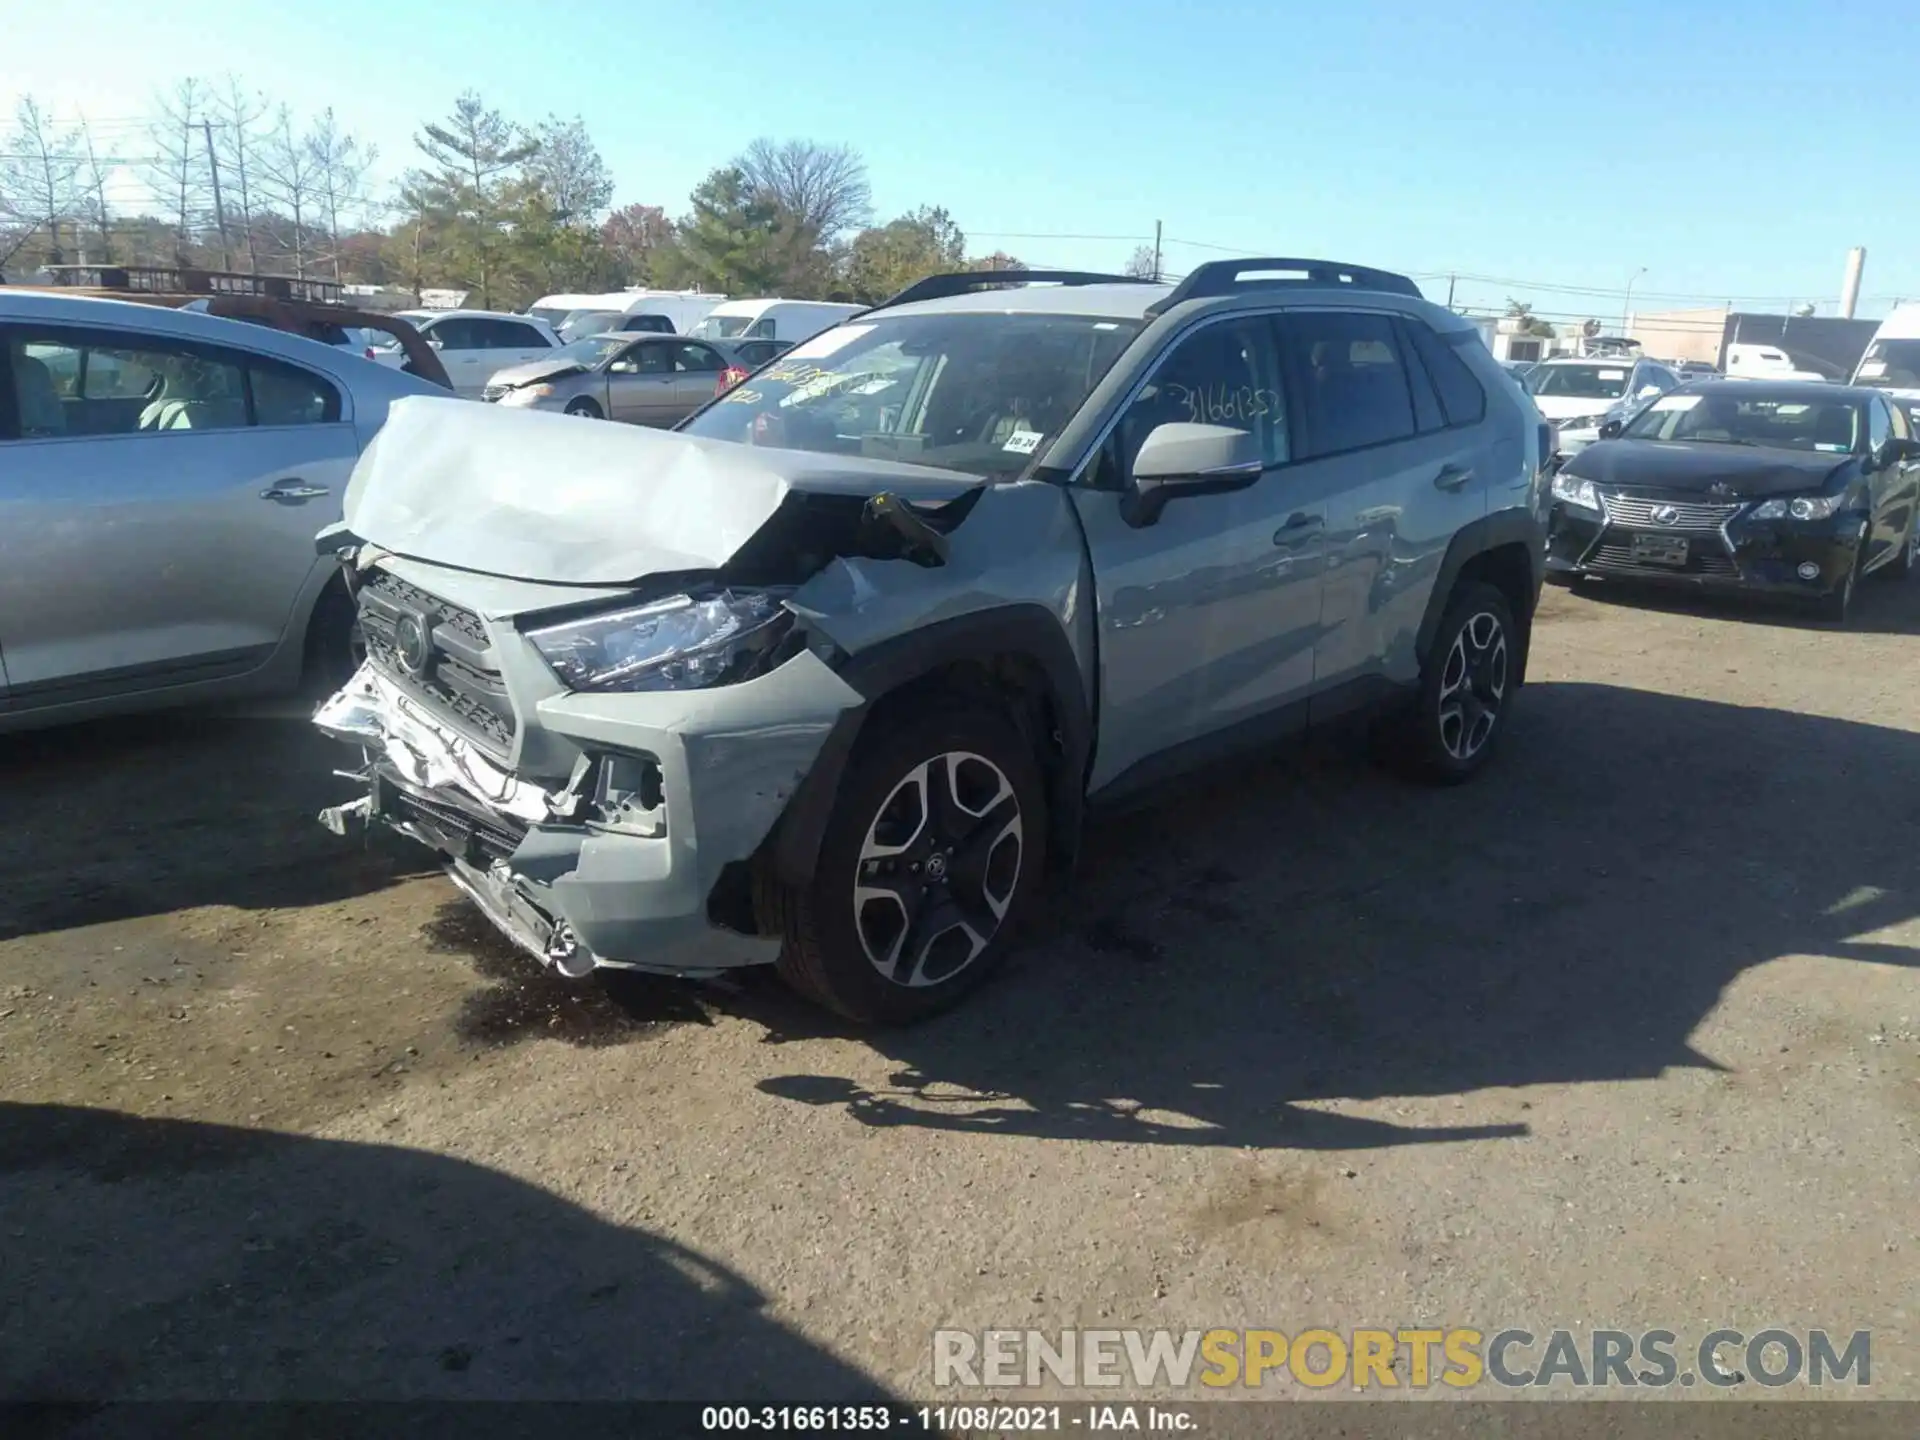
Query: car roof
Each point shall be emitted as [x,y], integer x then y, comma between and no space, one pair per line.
[1792,390]
[1132,301]
[154,319]
[469,315]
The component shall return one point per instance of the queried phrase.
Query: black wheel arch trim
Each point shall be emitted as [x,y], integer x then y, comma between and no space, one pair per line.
[1028,630]
[1476,538]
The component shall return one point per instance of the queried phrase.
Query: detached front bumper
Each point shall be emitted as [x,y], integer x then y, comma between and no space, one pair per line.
[1790,558]
[614,867]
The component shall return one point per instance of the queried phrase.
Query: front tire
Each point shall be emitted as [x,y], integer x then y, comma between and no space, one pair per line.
[1837,604]
[929,862]
[1467,685]
[584,409]
[1908,562]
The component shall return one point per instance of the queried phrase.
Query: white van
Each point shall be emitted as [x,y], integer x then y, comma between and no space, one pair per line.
[1765,362]
[683,308]
[1892,361]
[790,320]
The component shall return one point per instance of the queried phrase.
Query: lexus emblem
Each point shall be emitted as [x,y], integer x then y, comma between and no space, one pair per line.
[410,644]
[1664,514]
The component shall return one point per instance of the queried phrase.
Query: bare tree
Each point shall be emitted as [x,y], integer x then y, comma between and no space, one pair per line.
[240,142]
[180,171]
[823,188]
[340,164]
[289,181]
[1140,264]
[93,197]
[40,175]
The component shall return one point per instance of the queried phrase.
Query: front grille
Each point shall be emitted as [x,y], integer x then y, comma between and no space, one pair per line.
[484,838]
[460,681]
[1700,516]
[1619,559]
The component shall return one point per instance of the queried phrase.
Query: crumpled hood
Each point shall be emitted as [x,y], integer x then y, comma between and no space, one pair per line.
[1743,471]
[531,370]
[538,496]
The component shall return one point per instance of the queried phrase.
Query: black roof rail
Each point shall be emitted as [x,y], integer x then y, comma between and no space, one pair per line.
[1223,277]
[939,287]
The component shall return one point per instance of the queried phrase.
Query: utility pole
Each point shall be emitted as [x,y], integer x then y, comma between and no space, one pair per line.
[219,210]
[1450,280]
[1156,250]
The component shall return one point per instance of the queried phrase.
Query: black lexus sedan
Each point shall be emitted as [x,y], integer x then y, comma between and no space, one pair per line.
[1788,488]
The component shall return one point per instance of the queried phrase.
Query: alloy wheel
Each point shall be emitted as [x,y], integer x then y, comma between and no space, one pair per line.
[938,868]
[1473,686]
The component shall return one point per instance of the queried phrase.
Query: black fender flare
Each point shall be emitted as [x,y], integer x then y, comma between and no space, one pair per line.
[1031,631]
[1477,537]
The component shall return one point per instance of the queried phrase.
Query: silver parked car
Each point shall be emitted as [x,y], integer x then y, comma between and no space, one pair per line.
[642,379]
[162,475]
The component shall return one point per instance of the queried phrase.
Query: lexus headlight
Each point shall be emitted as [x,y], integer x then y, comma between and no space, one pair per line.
[680,643]
[1801,507]
[526,394]
[1575,492]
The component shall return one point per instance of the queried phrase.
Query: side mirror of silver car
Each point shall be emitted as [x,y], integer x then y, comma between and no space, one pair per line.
[1182,458]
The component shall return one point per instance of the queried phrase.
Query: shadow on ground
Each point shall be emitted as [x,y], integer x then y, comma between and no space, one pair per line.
[1319,932]
[153,813]
[175,1260]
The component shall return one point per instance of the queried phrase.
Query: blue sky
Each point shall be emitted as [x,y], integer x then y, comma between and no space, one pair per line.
[1735,152]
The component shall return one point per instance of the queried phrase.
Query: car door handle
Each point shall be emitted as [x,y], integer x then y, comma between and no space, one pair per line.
[293,492]
[1298,527]
[1452,477]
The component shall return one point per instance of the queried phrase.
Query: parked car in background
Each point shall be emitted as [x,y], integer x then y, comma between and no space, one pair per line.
[1694,370]
[1580,395]
[472,344]
[582,323]
[772,319]
[1519,370]
[682,309]
[829,676]
[163,474]
[1747,361]
[641,379]
[1891,363]
[1782,487]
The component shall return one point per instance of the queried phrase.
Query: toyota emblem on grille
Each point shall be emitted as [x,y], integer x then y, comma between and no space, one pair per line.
[410,644]
[1664,514]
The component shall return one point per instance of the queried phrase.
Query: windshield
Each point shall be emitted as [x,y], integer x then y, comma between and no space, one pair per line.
[1832,426]
[1581,382]
[1890,365]
[723,327]
[975,392]
[587,322]
[552,314]
[593,349]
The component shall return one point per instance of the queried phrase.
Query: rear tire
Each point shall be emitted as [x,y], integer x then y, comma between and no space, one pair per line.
[584,409]
[335,646]
[930,860]
[1467,685]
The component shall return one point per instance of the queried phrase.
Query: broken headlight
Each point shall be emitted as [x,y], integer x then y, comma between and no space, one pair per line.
[684,642]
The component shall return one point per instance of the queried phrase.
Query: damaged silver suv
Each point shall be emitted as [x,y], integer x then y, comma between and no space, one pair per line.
[829,676]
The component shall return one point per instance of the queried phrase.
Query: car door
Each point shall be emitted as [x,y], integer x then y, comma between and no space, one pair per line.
[1886,482]
[640,383]
[1208,612]
[1903,504]
[1376,447]
[157,522]
[696,376]
[470,363]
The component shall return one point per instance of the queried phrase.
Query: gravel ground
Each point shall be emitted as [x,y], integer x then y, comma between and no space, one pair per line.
[1627,1033]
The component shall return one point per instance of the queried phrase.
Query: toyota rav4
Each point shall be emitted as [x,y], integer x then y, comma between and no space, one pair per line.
[830,676]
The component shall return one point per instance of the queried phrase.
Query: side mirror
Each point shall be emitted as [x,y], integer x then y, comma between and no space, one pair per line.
[1181,458]
[1611,429]
[1646,390]
[623,367]
[1906,452]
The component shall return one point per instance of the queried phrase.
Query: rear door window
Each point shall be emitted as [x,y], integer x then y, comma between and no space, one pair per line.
[696,358]
[1351,379]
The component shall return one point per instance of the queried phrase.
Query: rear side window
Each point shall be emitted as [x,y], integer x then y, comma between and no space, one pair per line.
[1462,398]
[76,382]
[1351,378]
[697,358]
[506,335]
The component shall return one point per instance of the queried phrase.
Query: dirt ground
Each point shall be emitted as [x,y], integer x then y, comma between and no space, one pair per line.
[1627,1033]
